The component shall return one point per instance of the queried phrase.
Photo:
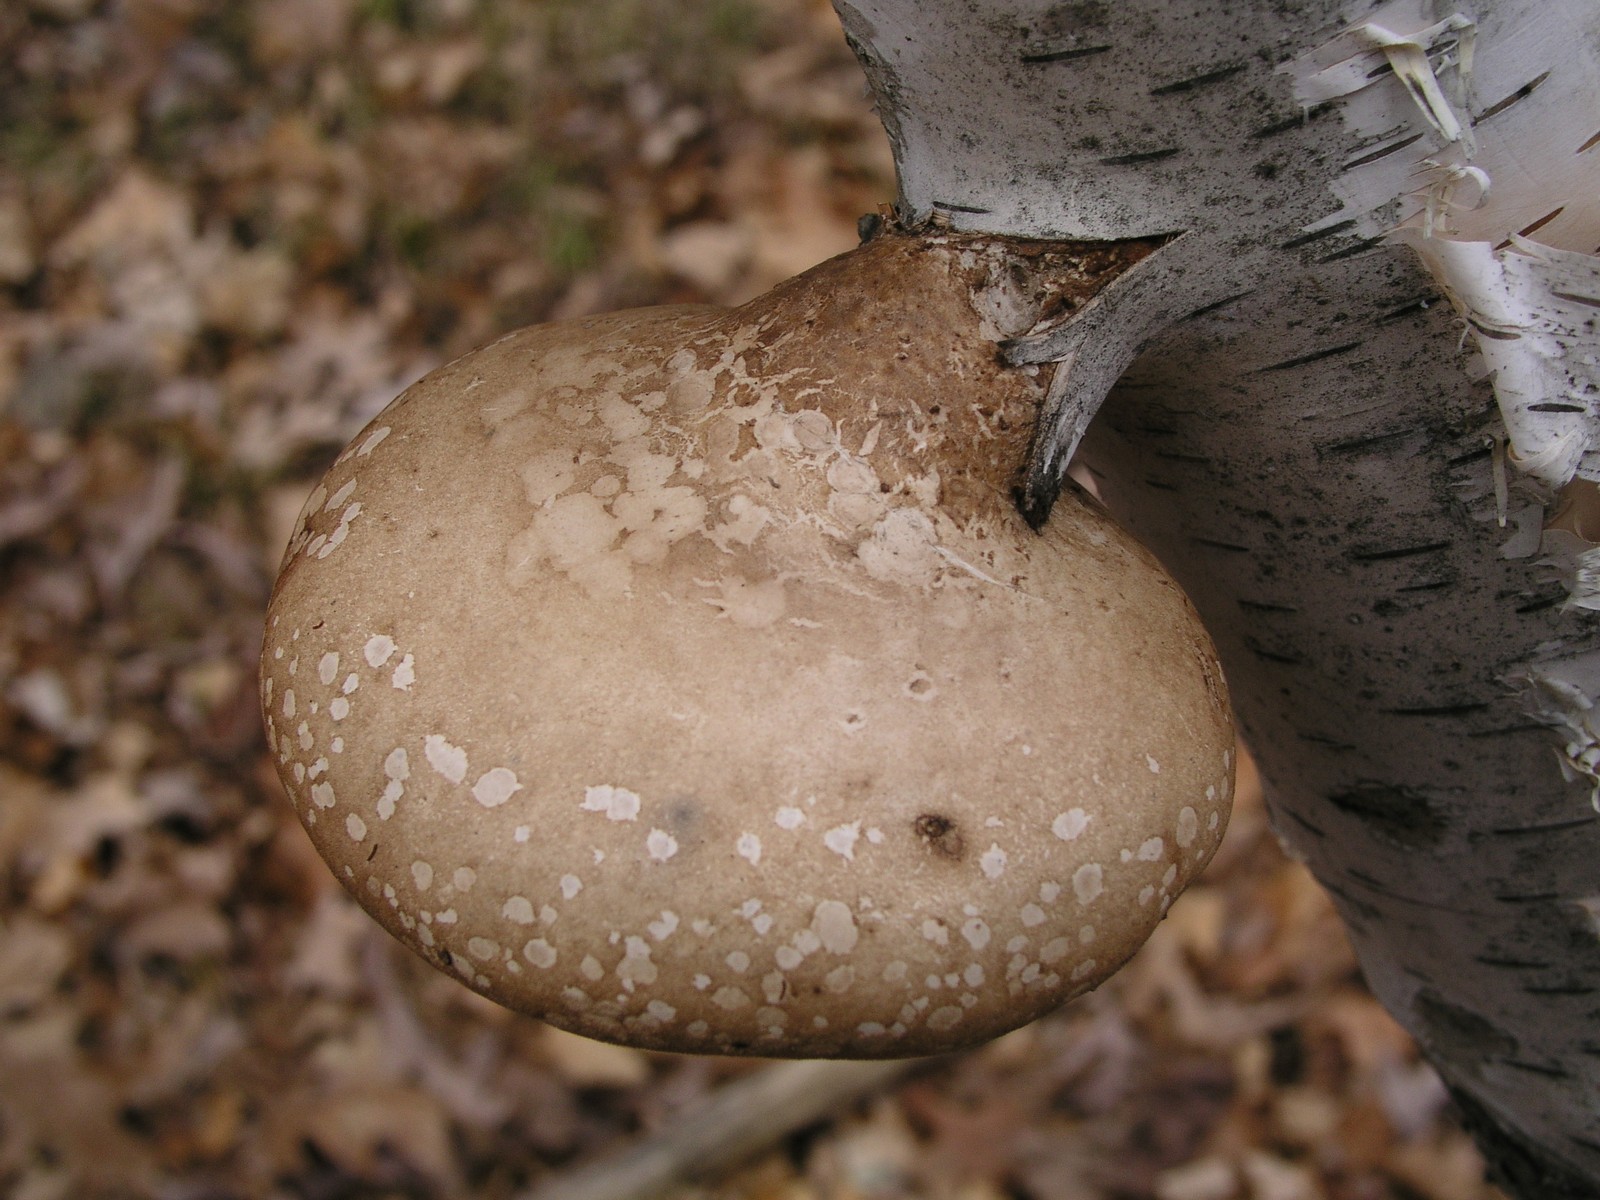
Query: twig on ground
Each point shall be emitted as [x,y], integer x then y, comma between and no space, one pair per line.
[737,1122]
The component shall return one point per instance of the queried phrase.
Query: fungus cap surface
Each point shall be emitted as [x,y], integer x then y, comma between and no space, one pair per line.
[686,678]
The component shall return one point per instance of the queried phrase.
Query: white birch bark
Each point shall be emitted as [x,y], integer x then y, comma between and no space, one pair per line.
[1357,416]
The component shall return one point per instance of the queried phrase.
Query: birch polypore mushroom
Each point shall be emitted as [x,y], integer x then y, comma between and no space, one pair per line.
[687,677]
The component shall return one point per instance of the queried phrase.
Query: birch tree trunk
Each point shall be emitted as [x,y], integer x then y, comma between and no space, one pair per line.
[1355,411]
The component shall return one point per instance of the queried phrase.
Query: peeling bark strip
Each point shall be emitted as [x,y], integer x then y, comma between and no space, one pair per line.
[1324,174]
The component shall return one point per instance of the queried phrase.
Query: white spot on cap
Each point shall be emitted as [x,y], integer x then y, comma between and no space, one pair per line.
[618,804]
[495,786]
[1188,827]
[842,840]
[1032,915]
[392,791]
[976,931]
[1070,824]
[355,827]
[482,948]
[1155,767]
[1146,894]
[663,928]
[661,1010]
[339,497]
[935,932]
[738,962]
[729,998]
[397,765]
[944,1018]
[405,674]
[1088,881]
[464,878]
[591,969]
[993,861]
[750,848]
[973,974]
[661,845]
[370,442]
[1152,850]
[378,650]
[450,761]
[1049,890]
[328,667]
[322,794]
[636,967]
[422,875]
[518,909]
[339,709]
[351,682]
[835,925]
[288,702]
[571,885]
[786,818]
[788,957]
[871,1029]
[1083,970]
[540,953]
[1055,950]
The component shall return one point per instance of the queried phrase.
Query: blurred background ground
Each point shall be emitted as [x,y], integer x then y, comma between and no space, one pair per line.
[229,234]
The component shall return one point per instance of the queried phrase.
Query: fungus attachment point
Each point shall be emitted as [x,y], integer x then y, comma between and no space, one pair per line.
[685,677]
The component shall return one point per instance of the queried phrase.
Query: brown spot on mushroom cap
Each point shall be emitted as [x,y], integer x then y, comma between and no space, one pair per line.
[631,744]
[939,834]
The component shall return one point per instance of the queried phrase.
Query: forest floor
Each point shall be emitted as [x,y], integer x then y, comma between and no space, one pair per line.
[229,234]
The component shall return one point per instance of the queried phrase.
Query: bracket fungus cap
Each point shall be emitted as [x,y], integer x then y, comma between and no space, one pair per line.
[685,677]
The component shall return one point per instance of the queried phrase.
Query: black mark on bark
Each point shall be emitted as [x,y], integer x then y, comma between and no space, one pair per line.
[1441,710]
[1401,816]
[1289,364]
[1541,830]
[1214,306]
[1055,56]
[1420,305]
[1197,81]
[1262,606]
[1143,156]
[1367,445]
[1499,106]
[1289,124]
[1389,554]
[1306,239]
[1383,152]
[1360,247]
